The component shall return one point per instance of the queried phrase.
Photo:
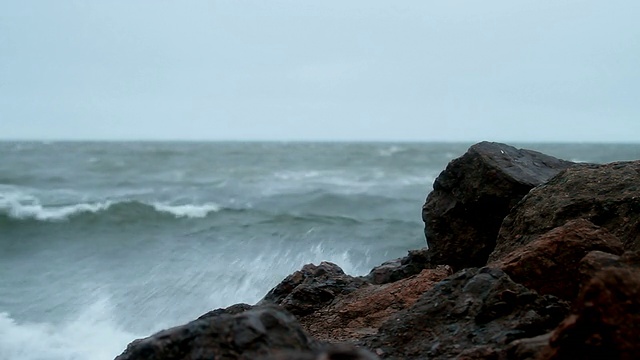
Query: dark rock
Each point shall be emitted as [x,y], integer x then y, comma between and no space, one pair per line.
[475,312]
[550,263]
[330,352]
[527,349]
[312,288]
[231,310]
[257,332]
[607,195]
[471,197]
[401,268]
[606,320]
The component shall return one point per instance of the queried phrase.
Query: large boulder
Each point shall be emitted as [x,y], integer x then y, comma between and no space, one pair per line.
[311,288]
[235,334]
[471,197]
[473,314]
[606,321]
[550,264]
[606,195]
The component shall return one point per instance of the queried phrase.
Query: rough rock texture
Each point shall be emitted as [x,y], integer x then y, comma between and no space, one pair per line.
[401,268]
[253,333]
[361,312]
[330,352]
[595,261]
[606,321]
[474,193]
[550,264]
[474,314]
[607,195]
[527,349]
[312,288]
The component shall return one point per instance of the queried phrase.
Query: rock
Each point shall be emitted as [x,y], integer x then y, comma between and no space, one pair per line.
[361,312]
[474,193]
[550,263]
[607,195]
[401,268]
[475,313]
[257,332]
[527,349]
[606,321]
[595,261]
[330,352]
[312,288]
[232,310]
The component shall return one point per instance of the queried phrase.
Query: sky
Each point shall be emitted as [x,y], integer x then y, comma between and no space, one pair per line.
[363,70]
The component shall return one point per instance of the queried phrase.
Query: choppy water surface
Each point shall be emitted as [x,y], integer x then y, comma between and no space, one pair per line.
[101,243]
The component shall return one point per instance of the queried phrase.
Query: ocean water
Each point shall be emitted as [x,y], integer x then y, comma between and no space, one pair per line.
[101,243]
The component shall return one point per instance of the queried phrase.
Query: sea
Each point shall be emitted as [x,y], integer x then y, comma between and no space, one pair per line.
[105,242]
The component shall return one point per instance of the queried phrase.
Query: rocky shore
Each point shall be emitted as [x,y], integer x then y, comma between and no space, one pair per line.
[529,257]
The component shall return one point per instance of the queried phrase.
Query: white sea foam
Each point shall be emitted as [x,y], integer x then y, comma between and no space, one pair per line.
[24,206]
[92,334]
[188,210]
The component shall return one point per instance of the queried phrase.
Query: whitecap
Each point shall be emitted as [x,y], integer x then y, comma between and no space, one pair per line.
[92,334]
[28,207]
[187,210]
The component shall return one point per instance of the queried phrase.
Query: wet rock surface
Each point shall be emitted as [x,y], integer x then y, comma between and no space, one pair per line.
[475,313]
[255,332]
[471,197]
[606,195]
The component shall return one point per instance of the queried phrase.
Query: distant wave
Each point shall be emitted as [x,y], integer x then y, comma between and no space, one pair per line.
[33,211]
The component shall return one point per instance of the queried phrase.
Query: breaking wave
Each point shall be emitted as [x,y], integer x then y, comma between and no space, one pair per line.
[33,210]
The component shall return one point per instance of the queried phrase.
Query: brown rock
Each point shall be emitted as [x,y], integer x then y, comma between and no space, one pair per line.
[550,263]
[595,261]
[607,195]
[471,197]
[361,312]
[606,320]
[475,313]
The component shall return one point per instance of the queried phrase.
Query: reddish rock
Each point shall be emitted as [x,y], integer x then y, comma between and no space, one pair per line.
[606,320]
[311,288]
[471,197]
[475,313]
[550,264]
[362,311]
[607,195]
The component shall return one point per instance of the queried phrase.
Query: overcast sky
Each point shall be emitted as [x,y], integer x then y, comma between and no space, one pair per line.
[321,70]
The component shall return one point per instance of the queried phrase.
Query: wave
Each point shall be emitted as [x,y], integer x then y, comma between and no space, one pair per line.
[32,210]
[91,335]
